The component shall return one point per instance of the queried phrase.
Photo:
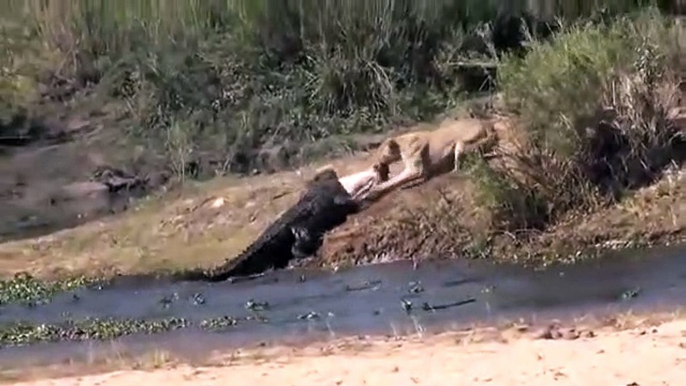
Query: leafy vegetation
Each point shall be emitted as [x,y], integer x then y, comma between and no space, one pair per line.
[233,86]
[221,80]
[24,289]
[598,113]
[20,334]
[598,104]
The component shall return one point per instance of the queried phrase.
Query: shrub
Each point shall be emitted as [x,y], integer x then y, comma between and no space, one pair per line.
[596,103]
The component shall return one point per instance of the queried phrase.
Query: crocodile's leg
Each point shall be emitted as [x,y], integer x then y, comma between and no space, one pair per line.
[304,245]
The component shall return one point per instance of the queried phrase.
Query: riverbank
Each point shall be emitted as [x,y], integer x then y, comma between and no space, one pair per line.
[625,350]
[593,162]
[206,224]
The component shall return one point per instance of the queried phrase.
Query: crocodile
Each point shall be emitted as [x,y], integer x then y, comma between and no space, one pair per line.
[296,234]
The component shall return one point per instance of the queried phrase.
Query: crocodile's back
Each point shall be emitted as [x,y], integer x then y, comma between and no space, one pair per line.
[325,205]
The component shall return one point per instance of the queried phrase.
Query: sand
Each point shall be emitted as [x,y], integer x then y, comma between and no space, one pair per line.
[639,356]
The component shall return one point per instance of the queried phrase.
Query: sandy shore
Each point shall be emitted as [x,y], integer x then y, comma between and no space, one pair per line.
[640,356]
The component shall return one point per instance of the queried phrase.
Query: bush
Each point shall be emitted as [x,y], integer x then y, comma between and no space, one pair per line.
[597,103]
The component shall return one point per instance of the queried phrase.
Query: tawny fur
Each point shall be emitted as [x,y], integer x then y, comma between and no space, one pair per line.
[427,153]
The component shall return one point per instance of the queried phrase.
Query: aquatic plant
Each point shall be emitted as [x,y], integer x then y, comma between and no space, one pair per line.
[218,324]
[25,333]
[21,333]
[25,289]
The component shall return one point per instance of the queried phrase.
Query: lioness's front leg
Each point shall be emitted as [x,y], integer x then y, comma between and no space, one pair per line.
[412,172]
[363,190]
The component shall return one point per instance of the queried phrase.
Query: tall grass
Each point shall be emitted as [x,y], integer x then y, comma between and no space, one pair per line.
[240,75]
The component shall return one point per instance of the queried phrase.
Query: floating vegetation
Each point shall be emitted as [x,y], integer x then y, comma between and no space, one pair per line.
[167,300]
[20,333]
[630,294]
[198,299]
[218,324]
[416,287]
[256,306]
[23,333]
[426,306]
[309,316]
[25,289]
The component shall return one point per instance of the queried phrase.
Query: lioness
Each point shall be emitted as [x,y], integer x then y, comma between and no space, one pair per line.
[427,153]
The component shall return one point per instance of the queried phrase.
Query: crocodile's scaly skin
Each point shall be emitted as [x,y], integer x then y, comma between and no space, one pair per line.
[296,233]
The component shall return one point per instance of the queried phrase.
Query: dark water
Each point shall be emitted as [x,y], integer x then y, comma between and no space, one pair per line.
[362,301]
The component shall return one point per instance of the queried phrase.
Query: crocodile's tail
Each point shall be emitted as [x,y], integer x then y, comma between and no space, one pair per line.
[197,274]
[211,276]
[217,274]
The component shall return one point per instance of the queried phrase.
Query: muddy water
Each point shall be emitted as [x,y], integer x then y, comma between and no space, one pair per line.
[365,300]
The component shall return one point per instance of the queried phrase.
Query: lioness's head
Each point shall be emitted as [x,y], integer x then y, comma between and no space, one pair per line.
[389,152]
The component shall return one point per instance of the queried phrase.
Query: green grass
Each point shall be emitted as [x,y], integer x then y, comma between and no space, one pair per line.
[230,77]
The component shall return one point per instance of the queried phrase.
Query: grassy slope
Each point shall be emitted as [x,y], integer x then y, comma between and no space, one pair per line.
[206,88]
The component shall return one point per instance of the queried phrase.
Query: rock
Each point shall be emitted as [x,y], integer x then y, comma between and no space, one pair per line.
[83,198]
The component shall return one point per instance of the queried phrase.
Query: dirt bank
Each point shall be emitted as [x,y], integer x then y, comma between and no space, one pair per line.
[444,218]
[641,353]
[207,223]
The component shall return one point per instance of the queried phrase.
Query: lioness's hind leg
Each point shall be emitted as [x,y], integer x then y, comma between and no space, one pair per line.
[459,149]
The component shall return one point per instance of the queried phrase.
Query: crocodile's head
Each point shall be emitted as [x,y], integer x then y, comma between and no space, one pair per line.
[325,173]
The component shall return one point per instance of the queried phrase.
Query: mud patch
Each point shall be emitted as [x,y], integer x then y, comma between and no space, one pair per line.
[49,187]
